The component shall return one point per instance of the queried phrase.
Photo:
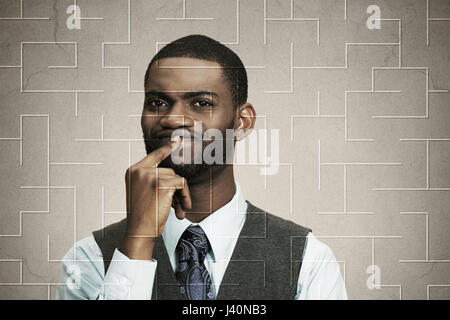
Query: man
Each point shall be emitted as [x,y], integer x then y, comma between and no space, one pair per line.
[189,232]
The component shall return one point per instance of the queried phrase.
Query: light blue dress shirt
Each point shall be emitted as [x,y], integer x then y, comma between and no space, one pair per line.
[83,275]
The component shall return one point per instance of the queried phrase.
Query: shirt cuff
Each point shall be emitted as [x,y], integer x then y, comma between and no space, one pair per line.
[128,278]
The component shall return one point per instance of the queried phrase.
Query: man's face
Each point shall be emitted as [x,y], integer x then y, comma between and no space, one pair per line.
[180,91]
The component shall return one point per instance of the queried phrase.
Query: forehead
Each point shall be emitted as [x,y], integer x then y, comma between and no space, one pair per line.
[185,74]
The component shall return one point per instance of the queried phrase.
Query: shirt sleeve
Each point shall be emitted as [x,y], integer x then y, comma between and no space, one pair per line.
[83,276]
[320,276]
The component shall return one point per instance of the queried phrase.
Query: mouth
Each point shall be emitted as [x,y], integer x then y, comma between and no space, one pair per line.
[185,134]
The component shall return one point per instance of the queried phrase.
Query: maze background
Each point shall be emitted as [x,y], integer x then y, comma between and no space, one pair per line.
[363,118]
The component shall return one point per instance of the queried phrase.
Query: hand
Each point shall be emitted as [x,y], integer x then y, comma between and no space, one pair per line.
[150,192]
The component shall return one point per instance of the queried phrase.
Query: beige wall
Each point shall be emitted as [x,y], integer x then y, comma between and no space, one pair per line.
[363,118]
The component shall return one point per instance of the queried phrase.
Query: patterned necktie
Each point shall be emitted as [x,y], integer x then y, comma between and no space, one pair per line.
[191,273]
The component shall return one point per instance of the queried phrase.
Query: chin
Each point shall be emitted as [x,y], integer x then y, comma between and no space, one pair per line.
[188,171]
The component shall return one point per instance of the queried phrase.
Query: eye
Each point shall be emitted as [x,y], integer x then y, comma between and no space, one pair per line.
[203,104]
[156,103]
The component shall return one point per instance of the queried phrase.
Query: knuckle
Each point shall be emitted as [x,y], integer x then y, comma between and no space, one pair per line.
[153,165]
[139,174]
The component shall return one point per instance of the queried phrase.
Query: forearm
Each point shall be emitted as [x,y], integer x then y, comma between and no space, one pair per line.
[83,276]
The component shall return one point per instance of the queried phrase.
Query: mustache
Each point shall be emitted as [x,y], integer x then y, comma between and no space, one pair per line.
[169,134]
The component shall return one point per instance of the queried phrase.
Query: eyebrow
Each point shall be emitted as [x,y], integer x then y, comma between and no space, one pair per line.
[187,95]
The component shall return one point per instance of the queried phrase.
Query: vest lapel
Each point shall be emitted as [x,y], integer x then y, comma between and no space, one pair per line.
[165,286]
[237,280]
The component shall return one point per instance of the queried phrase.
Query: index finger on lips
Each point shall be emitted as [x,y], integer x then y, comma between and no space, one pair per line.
[154,158]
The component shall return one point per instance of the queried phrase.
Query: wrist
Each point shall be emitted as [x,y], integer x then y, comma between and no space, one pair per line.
[138,248]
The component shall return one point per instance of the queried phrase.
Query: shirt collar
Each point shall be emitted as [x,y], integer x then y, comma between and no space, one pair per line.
[222,227]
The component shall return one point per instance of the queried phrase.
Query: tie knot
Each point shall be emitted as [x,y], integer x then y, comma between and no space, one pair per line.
[193,245]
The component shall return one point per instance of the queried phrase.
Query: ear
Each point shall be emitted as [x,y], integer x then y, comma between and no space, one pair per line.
[245,123]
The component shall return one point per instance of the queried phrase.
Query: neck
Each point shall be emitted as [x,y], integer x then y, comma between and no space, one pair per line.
[210,193]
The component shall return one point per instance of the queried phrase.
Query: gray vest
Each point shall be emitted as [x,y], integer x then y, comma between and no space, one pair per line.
[265,263]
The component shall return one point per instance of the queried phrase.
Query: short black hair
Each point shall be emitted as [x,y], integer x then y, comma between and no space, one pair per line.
[205,48]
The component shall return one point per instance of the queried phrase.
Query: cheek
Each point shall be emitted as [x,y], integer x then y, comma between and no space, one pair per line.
[148,123]
[219,120]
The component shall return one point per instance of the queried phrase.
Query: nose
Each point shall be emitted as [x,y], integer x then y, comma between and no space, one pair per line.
[176,117]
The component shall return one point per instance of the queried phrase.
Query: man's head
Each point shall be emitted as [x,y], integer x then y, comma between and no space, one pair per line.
[194,78]
[204,48]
